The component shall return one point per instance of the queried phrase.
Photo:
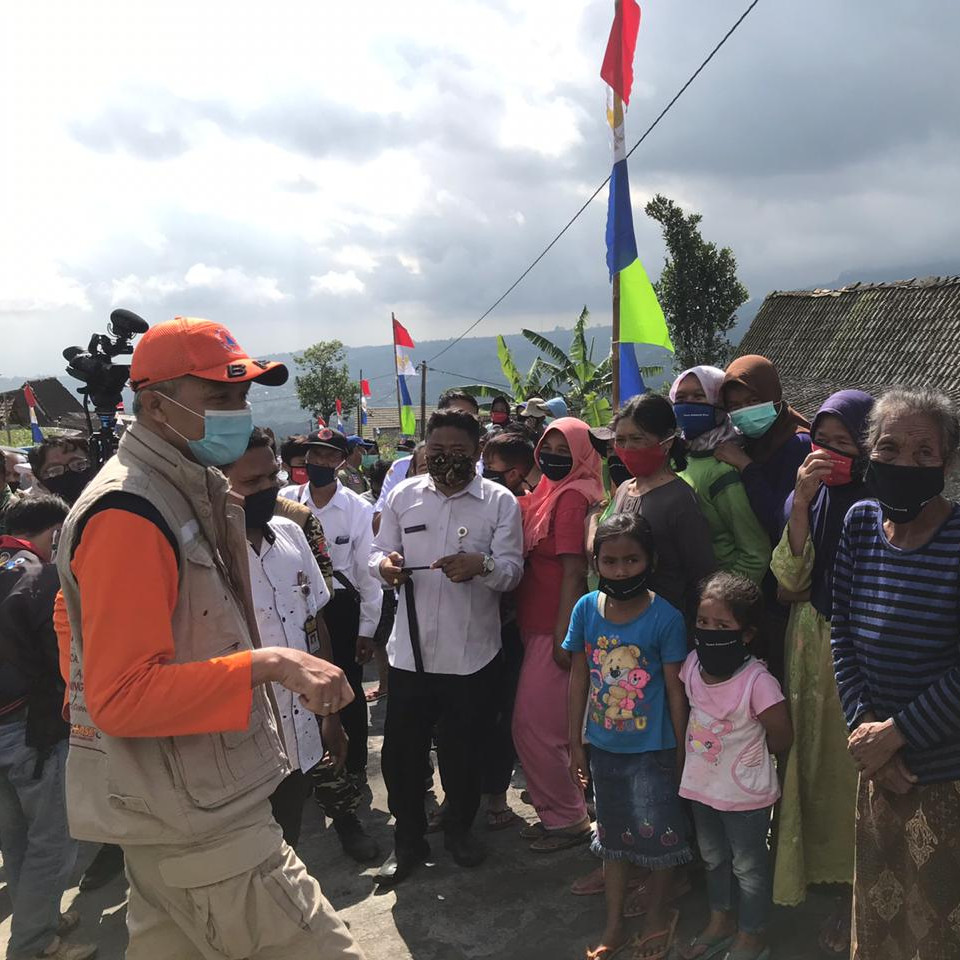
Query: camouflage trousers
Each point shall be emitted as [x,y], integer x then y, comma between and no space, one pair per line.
[337,793]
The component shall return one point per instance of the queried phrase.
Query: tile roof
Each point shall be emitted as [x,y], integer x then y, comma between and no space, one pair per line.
[56,405]
[869,336]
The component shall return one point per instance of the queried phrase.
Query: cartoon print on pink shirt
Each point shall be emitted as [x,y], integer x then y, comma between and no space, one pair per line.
[617,682]
[705,736]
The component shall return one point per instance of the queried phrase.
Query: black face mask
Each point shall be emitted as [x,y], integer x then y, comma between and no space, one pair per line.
[259,507]
[625,589]
[321,476]
[619,474]
[903,491]
[554,466]
[721,652]
[69,485]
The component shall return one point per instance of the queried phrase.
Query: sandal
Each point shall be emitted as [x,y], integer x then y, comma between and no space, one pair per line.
[643,952]
[553,841]
[501,819]
[603,952]
[712,946]
[636,907]
[374,695]
[533,831]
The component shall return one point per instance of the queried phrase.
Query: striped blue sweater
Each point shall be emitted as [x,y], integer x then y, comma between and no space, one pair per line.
[895,634]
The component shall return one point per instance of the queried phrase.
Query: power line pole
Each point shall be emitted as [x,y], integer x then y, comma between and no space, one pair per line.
[423,400]
[360,408]
[396,374]
[615,331]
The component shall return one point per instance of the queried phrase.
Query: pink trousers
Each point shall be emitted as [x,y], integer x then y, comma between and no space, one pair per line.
[540,735]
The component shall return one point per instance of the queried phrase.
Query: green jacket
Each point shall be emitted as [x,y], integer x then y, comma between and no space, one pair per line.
[739,541]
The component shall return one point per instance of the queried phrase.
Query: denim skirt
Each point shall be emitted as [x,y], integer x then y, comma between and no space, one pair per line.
[640,816]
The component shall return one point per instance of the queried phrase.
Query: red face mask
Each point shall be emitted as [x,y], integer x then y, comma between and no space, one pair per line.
[642,462]
[499,416]
[842,472]
[299,475]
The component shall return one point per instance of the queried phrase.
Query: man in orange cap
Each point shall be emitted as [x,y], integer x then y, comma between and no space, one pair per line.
[175,747]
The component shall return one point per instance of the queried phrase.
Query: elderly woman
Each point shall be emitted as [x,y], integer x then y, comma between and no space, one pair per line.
[815,837]
[896,653]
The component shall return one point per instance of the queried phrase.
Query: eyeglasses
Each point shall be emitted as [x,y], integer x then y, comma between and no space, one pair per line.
[58,469]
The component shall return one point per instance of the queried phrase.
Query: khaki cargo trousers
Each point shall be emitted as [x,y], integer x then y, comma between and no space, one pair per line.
[208,903]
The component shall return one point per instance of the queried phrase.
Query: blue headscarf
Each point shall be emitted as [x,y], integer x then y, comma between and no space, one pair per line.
[829,507]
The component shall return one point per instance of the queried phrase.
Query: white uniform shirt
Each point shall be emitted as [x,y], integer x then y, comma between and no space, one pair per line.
[288,589]
[459,622]
[396,473]
[347,522]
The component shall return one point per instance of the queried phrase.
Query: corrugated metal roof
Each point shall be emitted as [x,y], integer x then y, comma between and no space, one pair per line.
[869,336]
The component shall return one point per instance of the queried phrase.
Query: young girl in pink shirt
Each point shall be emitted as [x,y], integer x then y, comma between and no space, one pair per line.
[738,720]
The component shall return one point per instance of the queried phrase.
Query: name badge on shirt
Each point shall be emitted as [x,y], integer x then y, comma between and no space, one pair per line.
[313,635]
[419,528]
[341,540]
[303,583]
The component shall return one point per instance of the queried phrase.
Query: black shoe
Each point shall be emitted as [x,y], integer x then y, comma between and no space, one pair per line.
[400,864]
[466,849]
[105,866]
[356,842]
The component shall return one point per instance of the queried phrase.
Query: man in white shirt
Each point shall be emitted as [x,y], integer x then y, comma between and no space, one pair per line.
[288,594]
[353,612]
[454,543]
[451,400]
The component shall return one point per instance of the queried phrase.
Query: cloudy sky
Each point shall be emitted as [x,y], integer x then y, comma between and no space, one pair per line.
[299,170]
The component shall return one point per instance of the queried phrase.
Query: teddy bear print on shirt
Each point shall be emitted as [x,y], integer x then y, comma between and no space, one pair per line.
[618,682]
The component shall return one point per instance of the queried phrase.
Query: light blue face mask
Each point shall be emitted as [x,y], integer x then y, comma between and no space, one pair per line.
[225,434]
[755,421]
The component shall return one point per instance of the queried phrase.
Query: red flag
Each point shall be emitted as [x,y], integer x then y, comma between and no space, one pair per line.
[617,67]
[365,388]
[321,423]
[29,395]
[400,336]
[339,407]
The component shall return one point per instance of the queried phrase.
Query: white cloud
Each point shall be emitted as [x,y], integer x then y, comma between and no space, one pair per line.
[339,284]
[40,290]
[358,257]
[235,283]
[409,263]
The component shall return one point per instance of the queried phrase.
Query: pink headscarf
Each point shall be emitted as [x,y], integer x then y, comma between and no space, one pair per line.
[711,379]
[537,508]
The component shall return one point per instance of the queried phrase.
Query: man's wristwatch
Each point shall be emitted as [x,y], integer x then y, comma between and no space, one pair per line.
[488,565]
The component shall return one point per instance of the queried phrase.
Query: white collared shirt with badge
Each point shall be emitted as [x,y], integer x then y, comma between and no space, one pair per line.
[288,594]
[347,522]
[459,623]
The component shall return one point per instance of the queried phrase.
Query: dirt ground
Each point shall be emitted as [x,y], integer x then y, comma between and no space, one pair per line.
[517,906]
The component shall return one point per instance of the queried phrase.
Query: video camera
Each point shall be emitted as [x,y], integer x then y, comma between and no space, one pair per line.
[104,380]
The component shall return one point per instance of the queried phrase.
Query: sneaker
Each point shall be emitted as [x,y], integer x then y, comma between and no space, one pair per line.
[107,864]
[61,950]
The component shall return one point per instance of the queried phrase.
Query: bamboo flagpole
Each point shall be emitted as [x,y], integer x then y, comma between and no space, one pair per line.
[396,373]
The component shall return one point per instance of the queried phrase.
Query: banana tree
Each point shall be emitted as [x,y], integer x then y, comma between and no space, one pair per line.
[586,386]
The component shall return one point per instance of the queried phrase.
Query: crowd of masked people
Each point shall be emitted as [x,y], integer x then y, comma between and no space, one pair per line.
[715,635]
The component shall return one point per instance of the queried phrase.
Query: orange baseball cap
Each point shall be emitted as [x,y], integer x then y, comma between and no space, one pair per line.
[187,346]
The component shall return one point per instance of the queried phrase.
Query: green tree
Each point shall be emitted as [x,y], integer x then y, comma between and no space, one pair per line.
[698,288]
[586,386]
[326,378]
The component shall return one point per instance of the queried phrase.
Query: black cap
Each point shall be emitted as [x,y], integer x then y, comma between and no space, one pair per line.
[600,438]
[329,438]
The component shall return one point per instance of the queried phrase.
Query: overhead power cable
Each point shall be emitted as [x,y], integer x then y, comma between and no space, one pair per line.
[516,283]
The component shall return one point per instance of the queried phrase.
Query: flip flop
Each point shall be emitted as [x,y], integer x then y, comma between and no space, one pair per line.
[604,953]
[533,831]
[642,952]
[833,928]
[553,841]
[764,954]
[713,946]
[501,819]
[374,695]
